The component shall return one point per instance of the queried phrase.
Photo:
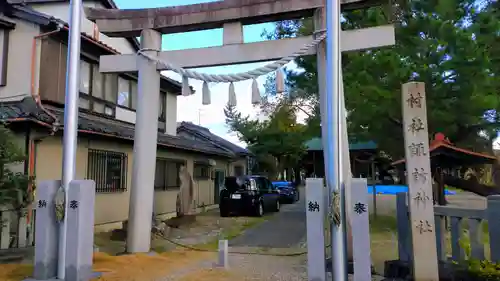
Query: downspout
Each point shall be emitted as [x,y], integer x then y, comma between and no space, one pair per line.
[30,143]
[34,92]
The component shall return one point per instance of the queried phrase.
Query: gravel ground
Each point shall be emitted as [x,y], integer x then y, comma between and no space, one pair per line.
[253,268]
[269,268]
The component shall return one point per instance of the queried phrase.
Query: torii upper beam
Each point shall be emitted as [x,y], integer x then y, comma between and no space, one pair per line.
[129,23]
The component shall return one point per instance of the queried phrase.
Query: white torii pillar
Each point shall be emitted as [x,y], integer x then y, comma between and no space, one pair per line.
[145,142]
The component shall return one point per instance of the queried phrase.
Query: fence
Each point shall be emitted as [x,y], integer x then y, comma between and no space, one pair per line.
[448,218]
[15,229]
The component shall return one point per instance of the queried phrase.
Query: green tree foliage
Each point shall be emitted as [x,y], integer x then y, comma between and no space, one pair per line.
[13,186]
[452,46]
[278,141]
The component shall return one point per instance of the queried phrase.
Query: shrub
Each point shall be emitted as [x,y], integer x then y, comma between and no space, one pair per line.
[473,269]
[13,186]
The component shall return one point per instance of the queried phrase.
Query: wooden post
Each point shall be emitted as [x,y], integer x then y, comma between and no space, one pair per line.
[493,213]
[420,201]
[374,188]
[404,234]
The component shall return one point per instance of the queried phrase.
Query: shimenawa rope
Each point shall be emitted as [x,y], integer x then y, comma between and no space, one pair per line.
[235,77]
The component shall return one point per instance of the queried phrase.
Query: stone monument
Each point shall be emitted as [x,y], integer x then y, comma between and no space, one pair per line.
[418,167]
[80,242]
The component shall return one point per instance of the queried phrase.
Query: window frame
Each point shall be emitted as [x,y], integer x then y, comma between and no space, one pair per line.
[97,159]
[4,55]
[129,101]
[199,171]
[92,100]
[163,107]
[169,161]
[235,169]
[133,90]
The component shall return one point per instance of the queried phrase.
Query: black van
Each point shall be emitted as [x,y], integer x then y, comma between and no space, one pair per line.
[253,195]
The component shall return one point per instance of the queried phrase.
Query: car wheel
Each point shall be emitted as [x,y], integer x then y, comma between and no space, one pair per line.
[278,206]
[259,211]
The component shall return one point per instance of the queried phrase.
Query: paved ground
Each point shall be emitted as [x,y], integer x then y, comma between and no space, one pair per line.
[286,229]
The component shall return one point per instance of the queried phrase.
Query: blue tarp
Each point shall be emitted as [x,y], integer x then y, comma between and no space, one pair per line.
[393,189]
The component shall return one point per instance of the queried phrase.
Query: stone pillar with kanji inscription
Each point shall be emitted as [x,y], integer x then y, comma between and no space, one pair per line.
[315,224]
[80,243]
[420,201]
[46,233]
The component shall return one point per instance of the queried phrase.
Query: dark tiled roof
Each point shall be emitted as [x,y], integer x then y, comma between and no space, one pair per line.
[316,144]
[209,136]
[26,110]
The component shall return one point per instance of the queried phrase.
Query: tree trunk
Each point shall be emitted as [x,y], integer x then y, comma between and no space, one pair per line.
[297,175]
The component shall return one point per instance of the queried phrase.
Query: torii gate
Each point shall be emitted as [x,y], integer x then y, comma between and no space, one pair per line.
[150,24]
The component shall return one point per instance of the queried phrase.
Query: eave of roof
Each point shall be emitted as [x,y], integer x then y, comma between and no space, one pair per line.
[446,145]
[27,111]
[316,144]
[205,133]
[4,23]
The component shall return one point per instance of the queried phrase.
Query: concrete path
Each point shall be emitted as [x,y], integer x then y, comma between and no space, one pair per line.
[285,229]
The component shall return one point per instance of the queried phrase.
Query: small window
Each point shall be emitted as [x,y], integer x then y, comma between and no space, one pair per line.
[84,77]
[133,94]
[201,171]
[110,86]
[108,169]
[238,170]
[167,174]
[4,55]
[161,109]
[98,107]
[83,103]
[108,111]
[97,83]
[123,92]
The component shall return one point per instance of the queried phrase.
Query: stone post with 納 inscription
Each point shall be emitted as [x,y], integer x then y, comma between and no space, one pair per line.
[416,135]
[315,229]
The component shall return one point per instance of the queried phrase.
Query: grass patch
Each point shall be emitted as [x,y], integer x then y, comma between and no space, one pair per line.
[383,240]
[232,232]
[383,223]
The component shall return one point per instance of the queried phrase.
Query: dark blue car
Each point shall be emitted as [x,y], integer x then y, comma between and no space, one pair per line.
[289,193]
